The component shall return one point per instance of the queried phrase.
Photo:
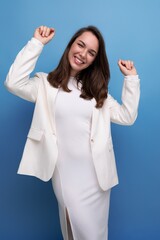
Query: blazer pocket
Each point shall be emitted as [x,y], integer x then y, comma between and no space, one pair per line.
[35,134]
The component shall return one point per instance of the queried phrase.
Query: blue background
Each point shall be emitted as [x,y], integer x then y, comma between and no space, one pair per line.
[28,208]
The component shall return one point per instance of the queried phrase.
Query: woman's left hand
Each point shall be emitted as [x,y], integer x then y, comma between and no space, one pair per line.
[127,67]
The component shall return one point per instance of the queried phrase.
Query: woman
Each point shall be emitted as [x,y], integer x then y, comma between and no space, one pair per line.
[70,139]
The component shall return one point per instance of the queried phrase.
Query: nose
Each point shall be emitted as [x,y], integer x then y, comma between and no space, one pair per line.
[83,53]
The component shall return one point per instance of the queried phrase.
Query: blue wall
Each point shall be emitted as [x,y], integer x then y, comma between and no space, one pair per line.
[28,208]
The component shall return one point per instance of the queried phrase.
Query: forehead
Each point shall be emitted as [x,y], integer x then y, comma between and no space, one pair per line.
[89,39]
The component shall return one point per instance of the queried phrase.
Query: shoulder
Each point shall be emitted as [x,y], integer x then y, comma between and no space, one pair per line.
[109,101]
[41,75]
[42,78]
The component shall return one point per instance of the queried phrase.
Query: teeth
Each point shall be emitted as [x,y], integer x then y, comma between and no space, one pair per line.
[78,60]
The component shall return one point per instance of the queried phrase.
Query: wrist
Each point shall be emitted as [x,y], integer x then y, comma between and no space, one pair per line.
[37,41]
[132,77]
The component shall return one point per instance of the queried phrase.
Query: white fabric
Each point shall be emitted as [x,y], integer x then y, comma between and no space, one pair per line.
[74,181]
[40,151]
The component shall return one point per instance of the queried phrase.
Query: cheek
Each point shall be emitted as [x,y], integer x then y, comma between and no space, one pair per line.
[69,55]
[71,52]
[73,49]
[90,60]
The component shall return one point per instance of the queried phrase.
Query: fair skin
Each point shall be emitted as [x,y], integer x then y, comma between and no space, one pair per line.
[83,51]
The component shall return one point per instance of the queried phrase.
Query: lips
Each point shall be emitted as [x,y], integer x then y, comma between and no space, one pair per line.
[78,61]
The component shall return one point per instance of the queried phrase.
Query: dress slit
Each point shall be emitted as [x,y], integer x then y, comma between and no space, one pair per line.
[65,219]
[69,226]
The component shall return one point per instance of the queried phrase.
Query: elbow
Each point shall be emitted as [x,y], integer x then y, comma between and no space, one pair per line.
[9,86]
[131,119]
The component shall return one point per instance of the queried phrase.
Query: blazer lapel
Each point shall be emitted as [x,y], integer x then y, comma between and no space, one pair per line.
[95,115]
[51,97]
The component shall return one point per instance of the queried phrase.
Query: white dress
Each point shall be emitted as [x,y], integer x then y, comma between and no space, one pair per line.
[83,205]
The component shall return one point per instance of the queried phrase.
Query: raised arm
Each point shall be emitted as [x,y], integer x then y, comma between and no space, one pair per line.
[18,80]
[126,113]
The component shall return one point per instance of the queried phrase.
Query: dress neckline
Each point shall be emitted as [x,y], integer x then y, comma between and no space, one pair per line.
[73,81]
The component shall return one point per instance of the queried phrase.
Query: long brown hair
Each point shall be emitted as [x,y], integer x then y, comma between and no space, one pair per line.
[94,78]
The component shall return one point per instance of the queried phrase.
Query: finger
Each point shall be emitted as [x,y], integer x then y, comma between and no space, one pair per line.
[52,30]
[37,30]
[47,32]
[128,65]
[119,62]
[132,64]
[44,31]
[41,30]
[123,63]
[52,33]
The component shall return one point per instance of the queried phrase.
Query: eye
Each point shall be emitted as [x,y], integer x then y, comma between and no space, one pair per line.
[92,54]
[80,45]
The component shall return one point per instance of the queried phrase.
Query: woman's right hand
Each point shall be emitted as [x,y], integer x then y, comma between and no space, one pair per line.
[44,34]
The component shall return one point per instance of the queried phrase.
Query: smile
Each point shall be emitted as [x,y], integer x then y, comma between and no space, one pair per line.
[78,60]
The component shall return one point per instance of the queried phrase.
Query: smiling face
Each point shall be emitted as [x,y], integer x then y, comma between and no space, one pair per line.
[83,52]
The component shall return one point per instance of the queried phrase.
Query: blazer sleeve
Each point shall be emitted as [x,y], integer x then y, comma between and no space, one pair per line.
[126,113]
[18,80]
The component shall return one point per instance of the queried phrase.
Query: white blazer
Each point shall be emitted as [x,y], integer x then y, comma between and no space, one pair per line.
[40,152]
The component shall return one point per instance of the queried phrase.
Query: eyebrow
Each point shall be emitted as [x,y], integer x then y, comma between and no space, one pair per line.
[85,45]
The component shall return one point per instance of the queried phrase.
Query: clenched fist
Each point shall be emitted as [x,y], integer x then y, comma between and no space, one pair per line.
[127,67]
[44,34]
